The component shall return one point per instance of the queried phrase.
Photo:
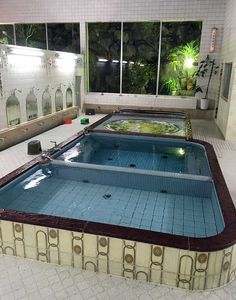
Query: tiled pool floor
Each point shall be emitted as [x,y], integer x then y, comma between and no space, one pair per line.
[169,213]
[148,154]
[25,279]
[139,160]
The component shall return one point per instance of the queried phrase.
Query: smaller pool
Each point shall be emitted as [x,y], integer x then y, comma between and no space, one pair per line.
[133,152]
[145,126]
[155,123]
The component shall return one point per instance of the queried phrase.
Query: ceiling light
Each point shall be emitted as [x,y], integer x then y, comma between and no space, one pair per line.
[102,59]
[26,51]
[65,55]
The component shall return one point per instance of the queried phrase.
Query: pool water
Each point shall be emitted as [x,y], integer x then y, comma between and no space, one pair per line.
[138,153]
[145,124]
[169,205]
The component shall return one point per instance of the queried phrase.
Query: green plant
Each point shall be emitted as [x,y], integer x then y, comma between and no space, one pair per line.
[180,64]
[139,75]
[208,68]
[179,54]
[172,84]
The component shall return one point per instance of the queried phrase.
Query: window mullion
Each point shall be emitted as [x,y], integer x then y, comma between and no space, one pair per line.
[121,56]
[159,60]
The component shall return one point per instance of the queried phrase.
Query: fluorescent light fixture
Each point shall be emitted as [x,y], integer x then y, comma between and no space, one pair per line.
[131,62]
[65,55]
[24,63]
[0,59]
[115,61]
[141,65]
[66,65]
[124,62]
[102,59]
[27,52]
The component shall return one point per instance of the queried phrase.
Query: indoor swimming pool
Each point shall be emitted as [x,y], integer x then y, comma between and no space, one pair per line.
[143,207]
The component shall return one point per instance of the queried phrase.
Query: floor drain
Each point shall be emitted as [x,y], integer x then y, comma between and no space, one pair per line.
[163,191]
[164,156]
[110,158]
[107,196]
[85,181]
[132,165]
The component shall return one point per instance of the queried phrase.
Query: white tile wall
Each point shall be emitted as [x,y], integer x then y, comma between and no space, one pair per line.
[209,11]
[227,109]
[40,76]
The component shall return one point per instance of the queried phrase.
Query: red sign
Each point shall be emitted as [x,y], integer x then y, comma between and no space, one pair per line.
[213,40]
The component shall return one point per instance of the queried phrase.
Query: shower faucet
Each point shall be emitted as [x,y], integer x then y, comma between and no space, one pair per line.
[13,92]
[56,148]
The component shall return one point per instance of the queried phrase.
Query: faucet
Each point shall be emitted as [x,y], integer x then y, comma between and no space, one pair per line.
[85,130]
[32,89]
[13,92]
[56,148]
[45,155]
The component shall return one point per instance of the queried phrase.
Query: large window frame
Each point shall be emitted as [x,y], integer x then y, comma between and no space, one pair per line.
[47,47]
[121,58]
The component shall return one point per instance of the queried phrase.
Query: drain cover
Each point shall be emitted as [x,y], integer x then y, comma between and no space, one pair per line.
[107,196]
[110,158]
[132,165]
[163,191]
[164,156]
[85,181]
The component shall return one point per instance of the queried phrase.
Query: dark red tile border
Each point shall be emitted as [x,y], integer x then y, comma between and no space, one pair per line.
[221,241]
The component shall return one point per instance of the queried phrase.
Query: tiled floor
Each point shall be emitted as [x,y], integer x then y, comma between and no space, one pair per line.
[26,279]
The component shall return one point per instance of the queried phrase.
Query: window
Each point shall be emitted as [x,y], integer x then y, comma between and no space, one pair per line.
[226,80]
[31,35]
[141,71]
[7,34]
[104,57]
[140,57]
[64,37]
[179,49]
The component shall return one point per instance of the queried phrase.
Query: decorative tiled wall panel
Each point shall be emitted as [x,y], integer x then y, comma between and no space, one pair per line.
[130,259]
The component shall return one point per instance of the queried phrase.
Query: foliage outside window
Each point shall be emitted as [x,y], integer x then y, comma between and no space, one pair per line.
[64,37]
[31,35]
[140,56]
[179,50]
[7,34]
[180,43]
[61,36]
[104,57]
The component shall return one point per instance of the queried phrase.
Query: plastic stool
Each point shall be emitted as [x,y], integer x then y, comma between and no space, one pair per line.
[84,121]
[68,121]
[34,147]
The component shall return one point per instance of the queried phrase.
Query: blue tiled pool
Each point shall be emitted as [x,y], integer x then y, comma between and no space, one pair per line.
[186,206]
[138,153]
